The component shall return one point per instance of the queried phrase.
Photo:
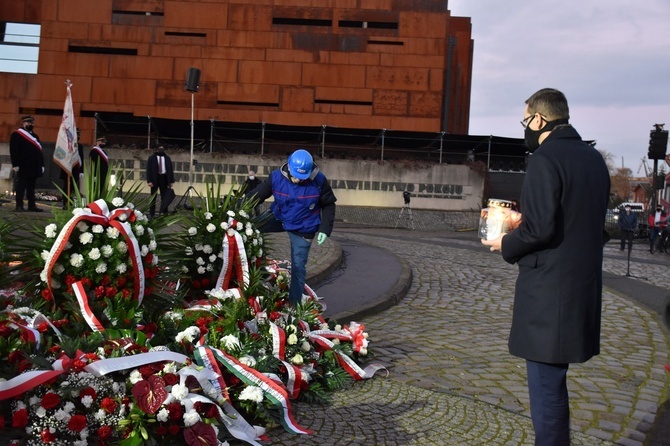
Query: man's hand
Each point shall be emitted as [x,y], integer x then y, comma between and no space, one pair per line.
[321,237]
[150,184]
[15,169]
[495,244]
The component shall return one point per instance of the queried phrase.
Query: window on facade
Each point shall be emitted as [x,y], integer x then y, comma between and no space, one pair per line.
[19,47]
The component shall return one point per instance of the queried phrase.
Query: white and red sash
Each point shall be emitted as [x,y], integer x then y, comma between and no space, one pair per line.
[30,138]
[101,153]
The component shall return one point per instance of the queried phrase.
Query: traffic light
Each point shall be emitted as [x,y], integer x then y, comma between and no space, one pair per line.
[658,144]
[659,182]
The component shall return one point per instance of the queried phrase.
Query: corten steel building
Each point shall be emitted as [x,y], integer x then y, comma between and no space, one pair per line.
[363,64]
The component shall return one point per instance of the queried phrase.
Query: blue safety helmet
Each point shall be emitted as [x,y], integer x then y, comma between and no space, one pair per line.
[300,164]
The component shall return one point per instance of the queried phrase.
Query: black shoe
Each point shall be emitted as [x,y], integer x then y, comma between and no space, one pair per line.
[18,209]
[35,210]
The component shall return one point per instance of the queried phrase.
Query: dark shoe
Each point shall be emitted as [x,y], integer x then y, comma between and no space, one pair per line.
[18,209]
[35,210]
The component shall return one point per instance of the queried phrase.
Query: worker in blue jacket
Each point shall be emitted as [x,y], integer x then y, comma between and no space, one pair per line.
[304,206]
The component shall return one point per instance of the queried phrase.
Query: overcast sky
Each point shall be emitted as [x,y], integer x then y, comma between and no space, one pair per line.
[611,58]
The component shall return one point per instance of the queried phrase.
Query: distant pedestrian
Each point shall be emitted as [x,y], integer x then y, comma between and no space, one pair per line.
[657,222]
[628,226]
[303,206]
[559,249]
[252,182]
[25,151]
[160,178]
[99,164]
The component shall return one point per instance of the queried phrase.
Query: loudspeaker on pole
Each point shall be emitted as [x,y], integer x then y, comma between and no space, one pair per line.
[192,80]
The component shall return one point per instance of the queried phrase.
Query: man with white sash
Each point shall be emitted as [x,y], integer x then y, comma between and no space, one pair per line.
[27,162]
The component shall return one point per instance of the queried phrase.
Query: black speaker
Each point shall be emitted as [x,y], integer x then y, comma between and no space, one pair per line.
[192,80]
[658,144]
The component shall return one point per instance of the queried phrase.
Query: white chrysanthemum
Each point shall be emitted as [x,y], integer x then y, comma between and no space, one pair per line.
[208,215]
[154,260]
[212,258]
[135,377]
[40,412]
[191,417]
[188,251]
[249,232]
[123,217]
[82,226]
[152,245]
[170,367]
[112,232]
[184,269]
[297,359]
[220,254]
[144,250]
[76,260]
[292,339]
[243,213]
[129,205]
[85,238]
[211,228]
[192,231]
[176,317]
[207,249]
[209,267]
[224,225]
[122,247]
[305,346]
[201,270]
[200,261]
[50,230]
[162,415]
[94,254]
[199,247]
[252,393]
[138,230]
[97,229]
[231,213]
[68,245]
[230,342]
[87,400]
[217,293]
[44,255]
[247,225]
[150,231]
[248,360]
[254,242]
[121,268]
[107,250]
[101,268]
[117,201]
[188,335]
[58,268]
[43,276]
[239,226]
[100,415]
[179,392]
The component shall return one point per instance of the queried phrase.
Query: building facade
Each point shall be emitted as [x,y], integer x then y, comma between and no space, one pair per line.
[369,64]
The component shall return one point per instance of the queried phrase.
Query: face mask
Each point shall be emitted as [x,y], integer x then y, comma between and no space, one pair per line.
[251,177]
[532,137]
[29,128]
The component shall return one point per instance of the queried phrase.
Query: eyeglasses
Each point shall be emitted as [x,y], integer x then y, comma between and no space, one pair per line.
[526,121]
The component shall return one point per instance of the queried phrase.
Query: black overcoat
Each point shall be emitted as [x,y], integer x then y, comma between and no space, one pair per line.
[559,250]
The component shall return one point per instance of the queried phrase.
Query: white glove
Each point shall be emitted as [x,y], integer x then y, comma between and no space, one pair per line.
[15,169]
[321,237]
[42,169]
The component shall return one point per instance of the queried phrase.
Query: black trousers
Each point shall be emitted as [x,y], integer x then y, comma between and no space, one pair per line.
[626,236]
[162,188]
[25,186]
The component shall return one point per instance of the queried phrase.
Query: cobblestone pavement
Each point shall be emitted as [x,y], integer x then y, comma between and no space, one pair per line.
[451,379]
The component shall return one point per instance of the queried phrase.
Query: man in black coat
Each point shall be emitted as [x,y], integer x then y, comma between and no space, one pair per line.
[559,249]
[25,152]
[160,177]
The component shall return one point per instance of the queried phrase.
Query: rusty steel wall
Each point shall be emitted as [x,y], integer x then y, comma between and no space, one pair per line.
[394,64]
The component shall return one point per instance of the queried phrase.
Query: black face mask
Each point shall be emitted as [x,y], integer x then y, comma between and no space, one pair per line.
[29,128]
[532,137]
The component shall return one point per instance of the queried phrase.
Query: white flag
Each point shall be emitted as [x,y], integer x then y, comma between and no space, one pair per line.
[66,154]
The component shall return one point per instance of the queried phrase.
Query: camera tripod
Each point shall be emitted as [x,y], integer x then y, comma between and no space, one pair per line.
[183,202]
[629,242]
[407,208]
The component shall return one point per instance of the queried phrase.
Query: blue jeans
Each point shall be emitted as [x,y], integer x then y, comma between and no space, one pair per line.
[299,252]
[549,403]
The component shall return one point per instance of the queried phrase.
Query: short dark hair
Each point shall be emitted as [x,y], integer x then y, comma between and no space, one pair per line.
[550,103]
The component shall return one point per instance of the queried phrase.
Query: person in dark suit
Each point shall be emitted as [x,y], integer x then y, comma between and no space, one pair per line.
[252,182]
[160,177]
[77,172]
[25,151]
[559,249]
[99,163]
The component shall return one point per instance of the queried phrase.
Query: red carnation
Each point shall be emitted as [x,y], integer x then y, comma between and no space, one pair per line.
[47,436]
[110,291]
[174,429]
[170,379]
[89,391]
[50,400]
[77,423]
[121,281]
[70,279]
[106,280]
[20,418]
[46,294]
[108,405]
[42,327]
[176,411]
[99,291]
[161,431]
[127,294]
[274,315]
[104,432]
